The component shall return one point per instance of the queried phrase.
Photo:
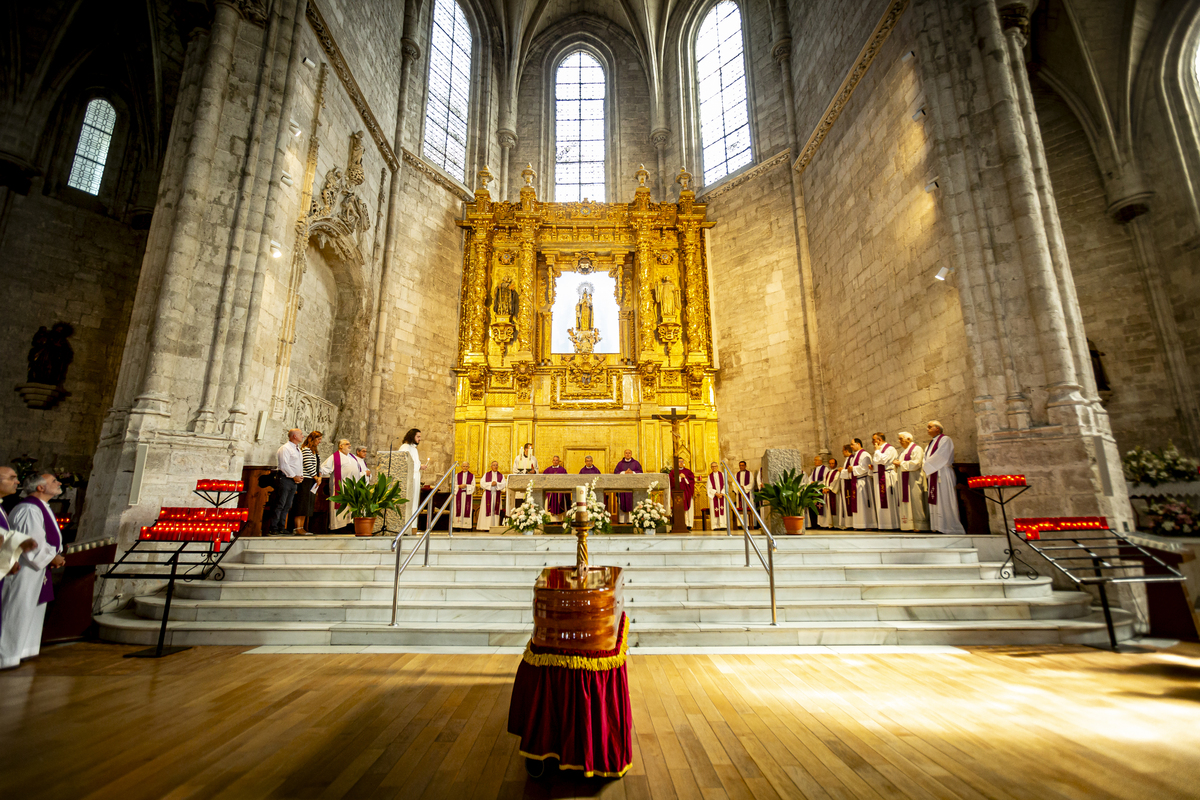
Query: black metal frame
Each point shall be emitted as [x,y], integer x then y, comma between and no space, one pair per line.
[207,561]
[1009,569]
[1104,546]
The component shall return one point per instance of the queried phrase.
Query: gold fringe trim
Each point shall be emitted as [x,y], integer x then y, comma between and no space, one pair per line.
[587,773]
[579,662]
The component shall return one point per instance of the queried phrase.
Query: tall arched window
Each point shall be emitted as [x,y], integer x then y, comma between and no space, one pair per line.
[721,79]
[92,150]
[449,89]
[579,129]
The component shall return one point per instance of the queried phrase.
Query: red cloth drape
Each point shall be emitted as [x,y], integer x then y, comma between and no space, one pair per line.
[582,717]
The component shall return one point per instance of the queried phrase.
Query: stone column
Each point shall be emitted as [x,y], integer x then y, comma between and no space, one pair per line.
[659,139]
[508,140]
[167,327]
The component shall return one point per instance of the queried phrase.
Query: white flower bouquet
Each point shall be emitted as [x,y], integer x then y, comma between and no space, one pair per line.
[597,513]
[649,514]
[528,516]
[1164,466]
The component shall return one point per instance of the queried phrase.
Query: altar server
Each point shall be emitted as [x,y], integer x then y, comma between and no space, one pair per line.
[556,502]
[589,467]
[23,609]
[413,489]
[914,514]
[683,481]
[526,462]
[830,516]
[12,543]
[745,479]
[716,497]
[885,483]
[939,471]
[816,475]
[342,466]
[360,455]
[494,483]
[626,466]
[464,497]
[857,477]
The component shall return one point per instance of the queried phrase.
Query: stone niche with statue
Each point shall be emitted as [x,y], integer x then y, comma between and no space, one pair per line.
[580,322]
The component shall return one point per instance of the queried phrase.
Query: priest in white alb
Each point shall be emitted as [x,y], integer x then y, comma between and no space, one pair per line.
[493,483]
[339,468]
[914,513]
[25,594]
[715,486]
[939,471]
[745,479]
[831,513]
[464,497]
[816,475]
[885,483]
[857,482]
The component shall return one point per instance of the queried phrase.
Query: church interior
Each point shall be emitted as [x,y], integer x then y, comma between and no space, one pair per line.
[466,241]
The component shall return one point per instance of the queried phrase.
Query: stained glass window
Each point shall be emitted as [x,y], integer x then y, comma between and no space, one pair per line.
[449,89]
[92,150]
[579,129]
[721,89]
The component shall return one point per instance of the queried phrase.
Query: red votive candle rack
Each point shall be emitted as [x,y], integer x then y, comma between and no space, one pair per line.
[981,484]
[218,492]
[1033,527]
[986,481]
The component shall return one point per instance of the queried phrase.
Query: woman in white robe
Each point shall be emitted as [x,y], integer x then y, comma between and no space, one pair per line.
[340,467]
[943,492]
[914,514]
[412,491]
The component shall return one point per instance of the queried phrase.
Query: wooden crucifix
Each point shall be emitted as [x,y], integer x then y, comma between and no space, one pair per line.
[678,501]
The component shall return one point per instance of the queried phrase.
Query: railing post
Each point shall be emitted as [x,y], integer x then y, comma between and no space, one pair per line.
[396,580]
[771,577]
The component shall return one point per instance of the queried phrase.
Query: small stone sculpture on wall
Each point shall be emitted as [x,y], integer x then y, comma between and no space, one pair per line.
[50,356]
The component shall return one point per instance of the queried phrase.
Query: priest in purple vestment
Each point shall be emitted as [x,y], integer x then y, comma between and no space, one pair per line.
[683,481]
[589,467]
[626,466]
[556,502]
[27,593]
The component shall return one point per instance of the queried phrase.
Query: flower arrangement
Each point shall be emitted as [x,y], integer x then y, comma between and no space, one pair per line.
[1154,467]
[648,514]
[1174,518]
[528,516]
[597,512]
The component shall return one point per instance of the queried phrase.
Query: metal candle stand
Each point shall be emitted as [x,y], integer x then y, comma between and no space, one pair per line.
[216,498]
[1009,569]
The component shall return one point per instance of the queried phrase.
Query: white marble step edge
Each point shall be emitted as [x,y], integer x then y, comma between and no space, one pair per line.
[1062,605]
[126,627]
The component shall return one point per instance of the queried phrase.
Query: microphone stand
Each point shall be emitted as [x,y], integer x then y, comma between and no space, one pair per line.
[391,447]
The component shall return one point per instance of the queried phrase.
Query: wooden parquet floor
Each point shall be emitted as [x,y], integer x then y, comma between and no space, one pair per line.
[1044,723]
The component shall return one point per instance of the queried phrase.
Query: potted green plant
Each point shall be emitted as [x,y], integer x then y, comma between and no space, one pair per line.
[368,500]
[790,497]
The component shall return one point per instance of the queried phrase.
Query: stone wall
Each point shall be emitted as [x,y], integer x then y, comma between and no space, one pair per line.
[1111,294]
[892,344]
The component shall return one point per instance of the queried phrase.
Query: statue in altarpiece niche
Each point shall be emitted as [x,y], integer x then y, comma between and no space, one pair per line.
[667,296]
[584,316]
[507,300]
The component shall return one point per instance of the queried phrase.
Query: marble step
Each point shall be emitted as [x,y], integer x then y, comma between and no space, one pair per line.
[1061,605]
[618,544]
[126,627]
[695,591]
[649,575]
[699,558]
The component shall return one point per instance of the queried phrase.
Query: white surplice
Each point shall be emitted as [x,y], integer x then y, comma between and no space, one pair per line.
[745,479]
[833,499]
[413,490]
[341,516]
[859,511]
[943,496]
[494,484]
[21,626]
[887,504]
[464,500]
[914,511]
[716,500]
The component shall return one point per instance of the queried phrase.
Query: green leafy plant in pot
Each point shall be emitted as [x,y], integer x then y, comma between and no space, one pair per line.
[790,497]
[368,500]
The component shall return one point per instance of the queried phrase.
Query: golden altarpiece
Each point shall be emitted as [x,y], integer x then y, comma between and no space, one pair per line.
[579,323]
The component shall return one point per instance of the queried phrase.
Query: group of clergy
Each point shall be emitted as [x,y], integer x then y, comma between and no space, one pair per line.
[30,546]
[910,489]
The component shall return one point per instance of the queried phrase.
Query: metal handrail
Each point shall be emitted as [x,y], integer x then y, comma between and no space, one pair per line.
[769,563]
[411,523]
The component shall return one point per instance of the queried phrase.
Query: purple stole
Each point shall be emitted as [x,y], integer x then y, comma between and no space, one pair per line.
[337,476]
[933,482]
[819,477]
[4,521]
[491,495]
[626,498]
[590,471]
[851,490]
[556,502]
[882,470]
[904,475]
[53,538]
[460,496]
[746,486]
[718,502]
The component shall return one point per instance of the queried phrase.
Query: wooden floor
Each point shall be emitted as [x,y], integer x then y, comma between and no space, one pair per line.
[1039,723]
